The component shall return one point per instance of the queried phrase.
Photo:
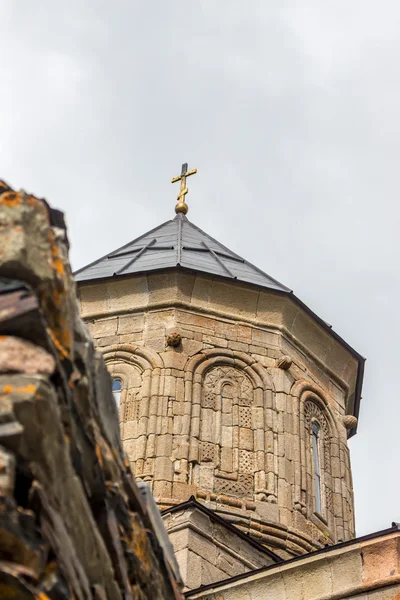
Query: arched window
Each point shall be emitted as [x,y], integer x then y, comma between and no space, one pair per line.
[317,466]
[116,390]
[319,485]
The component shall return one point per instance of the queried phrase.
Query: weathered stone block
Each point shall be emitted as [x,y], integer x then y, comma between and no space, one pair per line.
[164,445]
[226,330]
[93,301]
[226,437]
[129,324]
[173,359]
[206,477]
[246,438]
[236,301]
[226,463]
[193,570]
[162,489]
[122,291]
[18,355]
[163,468]
[102,328]
[183,491]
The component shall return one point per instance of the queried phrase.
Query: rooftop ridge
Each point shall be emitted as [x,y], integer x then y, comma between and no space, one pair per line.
[113,252]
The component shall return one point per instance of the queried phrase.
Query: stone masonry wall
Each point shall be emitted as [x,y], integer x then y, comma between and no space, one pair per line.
[208,551]
[367,569]
[72,521]
[226,415]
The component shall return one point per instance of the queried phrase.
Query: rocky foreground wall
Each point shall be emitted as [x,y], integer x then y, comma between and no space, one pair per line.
[72,521]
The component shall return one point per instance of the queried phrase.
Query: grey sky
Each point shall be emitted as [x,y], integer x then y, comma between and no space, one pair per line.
[290,112]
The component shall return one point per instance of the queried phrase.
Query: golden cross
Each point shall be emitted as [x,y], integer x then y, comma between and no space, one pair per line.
[182,207]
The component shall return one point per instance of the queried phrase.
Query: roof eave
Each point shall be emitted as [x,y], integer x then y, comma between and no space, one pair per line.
[325,550]
[360,359]
[212,514]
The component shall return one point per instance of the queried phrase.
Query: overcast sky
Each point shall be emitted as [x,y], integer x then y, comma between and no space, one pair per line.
[290,112]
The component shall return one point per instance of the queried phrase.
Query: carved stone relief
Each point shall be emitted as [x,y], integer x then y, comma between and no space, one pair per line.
[132,406]
[207,452]
[227,433]
[242,487]
[246,461]
[245,416]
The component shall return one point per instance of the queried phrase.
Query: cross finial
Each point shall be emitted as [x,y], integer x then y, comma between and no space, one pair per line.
[181,206]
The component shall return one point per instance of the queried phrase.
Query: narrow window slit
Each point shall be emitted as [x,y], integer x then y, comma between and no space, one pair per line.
[317,467]
[116,390]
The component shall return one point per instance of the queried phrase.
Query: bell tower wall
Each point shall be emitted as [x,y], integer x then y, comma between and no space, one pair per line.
[233,395]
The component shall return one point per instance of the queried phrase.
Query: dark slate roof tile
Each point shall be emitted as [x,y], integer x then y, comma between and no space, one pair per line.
[177,243]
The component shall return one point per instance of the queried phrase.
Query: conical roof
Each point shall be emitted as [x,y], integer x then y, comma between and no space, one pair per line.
[177,243]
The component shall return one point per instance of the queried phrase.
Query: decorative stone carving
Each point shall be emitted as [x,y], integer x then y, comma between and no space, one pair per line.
[284,363]
[245,401]
[243,487]
[207,452]
[349,421]
[245,416]
[174,339]
[313,411]
[233,378]
[132,406]
[209,400]
[229,441]
[329,499]
[246,461]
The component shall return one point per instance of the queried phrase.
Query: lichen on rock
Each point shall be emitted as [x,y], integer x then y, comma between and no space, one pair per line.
[72,521]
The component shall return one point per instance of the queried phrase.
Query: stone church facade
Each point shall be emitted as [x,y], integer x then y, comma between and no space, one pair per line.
[236,403]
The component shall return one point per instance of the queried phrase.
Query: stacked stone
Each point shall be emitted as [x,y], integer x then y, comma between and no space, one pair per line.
[72,521]
[220,386]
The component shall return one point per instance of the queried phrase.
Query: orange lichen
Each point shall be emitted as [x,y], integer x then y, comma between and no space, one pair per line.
[26,389]
[53,297]
[57,297]
[54,305]
[30,388]
[99,455]
[61,350]
[139,543]
[58,264]
[10,199]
